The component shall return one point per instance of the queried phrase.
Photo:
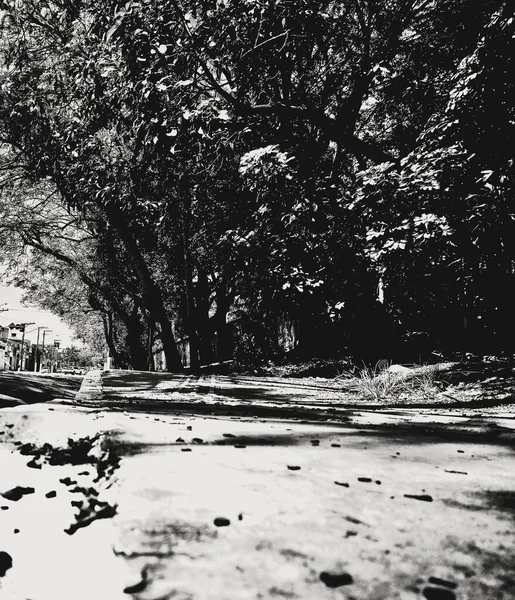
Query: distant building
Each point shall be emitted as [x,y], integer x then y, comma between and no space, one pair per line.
[4,336]
[11,349]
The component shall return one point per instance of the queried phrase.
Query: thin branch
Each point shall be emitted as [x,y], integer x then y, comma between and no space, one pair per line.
[265,42]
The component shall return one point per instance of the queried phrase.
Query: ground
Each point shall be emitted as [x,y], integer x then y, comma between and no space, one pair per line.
[158,486]
[26,387]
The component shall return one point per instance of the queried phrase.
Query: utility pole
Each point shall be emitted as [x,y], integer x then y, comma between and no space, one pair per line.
[43,347]
[36,362]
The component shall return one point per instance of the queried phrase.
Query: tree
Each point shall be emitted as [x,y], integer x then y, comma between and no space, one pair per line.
[86,160]
[259,155]
[452,230]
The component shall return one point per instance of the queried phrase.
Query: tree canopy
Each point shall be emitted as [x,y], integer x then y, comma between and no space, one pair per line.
[175,164]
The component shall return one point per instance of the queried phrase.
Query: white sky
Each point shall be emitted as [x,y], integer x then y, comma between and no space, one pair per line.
[10,297]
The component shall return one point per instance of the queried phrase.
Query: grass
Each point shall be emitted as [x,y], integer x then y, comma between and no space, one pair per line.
[380,384]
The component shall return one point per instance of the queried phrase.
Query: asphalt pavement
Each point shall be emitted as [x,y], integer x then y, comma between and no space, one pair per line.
[156,486]
[26,387]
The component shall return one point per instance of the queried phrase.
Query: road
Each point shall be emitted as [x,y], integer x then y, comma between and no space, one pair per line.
[188,503]
[26,387]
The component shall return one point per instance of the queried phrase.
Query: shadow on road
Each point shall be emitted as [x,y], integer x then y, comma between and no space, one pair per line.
[31,388]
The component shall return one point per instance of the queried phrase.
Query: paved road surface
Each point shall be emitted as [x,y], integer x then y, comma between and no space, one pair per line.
[26,387]
[229,504]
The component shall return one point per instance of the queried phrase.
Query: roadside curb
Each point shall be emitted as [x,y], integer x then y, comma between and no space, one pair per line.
[91,387]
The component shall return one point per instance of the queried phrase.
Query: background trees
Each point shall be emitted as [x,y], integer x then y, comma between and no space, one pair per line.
[274,157]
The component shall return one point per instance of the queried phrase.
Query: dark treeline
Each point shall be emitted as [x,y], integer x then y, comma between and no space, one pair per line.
[332,177]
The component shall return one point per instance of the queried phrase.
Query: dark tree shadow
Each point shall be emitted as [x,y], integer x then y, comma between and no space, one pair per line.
[33,388]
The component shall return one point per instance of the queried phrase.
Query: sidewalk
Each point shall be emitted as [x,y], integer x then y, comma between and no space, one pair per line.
[206,498]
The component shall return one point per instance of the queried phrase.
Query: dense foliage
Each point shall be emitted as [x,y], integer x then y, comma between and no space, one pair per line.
[340,170]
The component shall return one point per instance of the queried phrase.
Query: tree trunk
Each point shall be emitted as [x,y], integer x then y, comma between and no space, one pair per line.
[224,348]
[205,332]
[153,299]
[191,309]
[107,321]
[135,343]
[151,292]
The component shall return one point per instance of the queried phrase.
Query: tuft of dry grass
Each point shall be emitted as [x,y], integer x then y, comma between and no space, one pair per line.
[382,385]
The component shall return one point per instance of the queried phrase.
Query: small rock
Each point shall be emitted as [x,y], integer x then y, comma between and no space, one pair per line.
[18,492]
[443,582]
[336,445]
[10,426]
[378,482]
[140,585]
[228,435]
[315,442]
[84,473]
[6,562]
[82,490]
[334,579]
[198,441]
[350,533]
[342,483]
[4,507]
[293,467]
[422,497]
[27,449]
[179,440]
[240,446]
[240,517]
[221,522]
[437,593]
[456,472]
[461,451]
[67,481]
[51,494]
[364,479]
[189,428]
[356,521]
[185,449]
[16,531]
[33,464]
